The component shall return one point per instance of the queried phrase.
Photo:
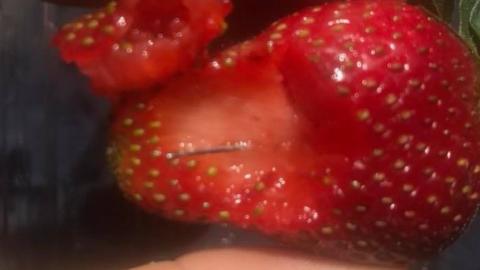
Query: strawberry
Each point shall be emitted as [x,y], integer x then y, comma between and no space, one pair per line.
[135,44]
[349,128]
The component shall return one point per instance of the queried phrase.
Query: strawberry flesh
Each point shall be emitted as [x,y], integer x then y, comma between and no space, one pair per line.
[208,151]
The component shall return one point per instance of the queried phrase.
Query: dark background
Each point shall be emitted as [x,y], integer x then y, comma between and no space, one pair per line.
[59,208]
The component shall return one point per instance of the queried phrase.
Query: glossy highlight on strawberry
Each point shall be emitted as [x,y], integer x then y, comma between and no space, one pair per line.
[132,45]
[349,128]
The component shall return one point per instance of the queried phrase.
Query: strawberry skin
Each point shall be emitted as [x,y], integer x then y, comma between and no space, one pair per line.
[348,128]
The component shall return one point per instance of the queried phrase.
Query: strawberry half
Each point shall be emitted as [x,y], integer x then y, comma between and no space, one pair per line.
[136,44]
[349,128]
[205,148]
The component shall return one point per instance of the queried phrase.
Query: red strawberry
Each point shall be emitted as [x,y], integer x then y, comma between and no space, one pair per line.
[367,150]
[136,44]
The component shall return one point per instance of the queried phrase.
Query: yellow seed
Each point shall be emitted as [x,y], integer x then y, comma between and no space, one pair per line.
[391,99]
[362,243]
[108,29]
[70,36]
[463,162]
[356,184]
[229,62]
[184,197]
[149,185]
[450,180]
[154,173]
[281,27]
[397,35]
[379,177]
[445,210]
[380,223]
[363,115]
[137,197]
[111,7]
[259,186]
[318,42]
[136,161]
[129,172]
[92,24]
[135,148]
[138,132]
[155,124]
[191,163]
[409,214]
[327,230]
[370,83]
[467,189]
[387,200]
[414,83]
[100,15]
[338,27]
[370,30]
[224,215]
[78,26]
[159,197]
[407,187]
[276,36]
[212,171]
[351,226]
[423,227]
[361,208]
[308,20]
[399,164]
[126,47]
[258,210]
[377,152]
[154,140]
[156,153]
[88,41]
[432,199]
[179,212]
[128,122]
[302,33]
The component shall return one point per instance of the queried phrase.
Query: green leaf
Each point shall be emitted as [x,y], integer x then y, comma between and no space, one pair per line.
[465,27]
[444,9]
[475,18]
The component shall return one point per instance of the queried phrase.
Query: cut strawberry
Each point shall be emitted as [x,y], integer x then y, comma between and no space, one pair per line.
[206,149]
[349,128]
[136,44]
